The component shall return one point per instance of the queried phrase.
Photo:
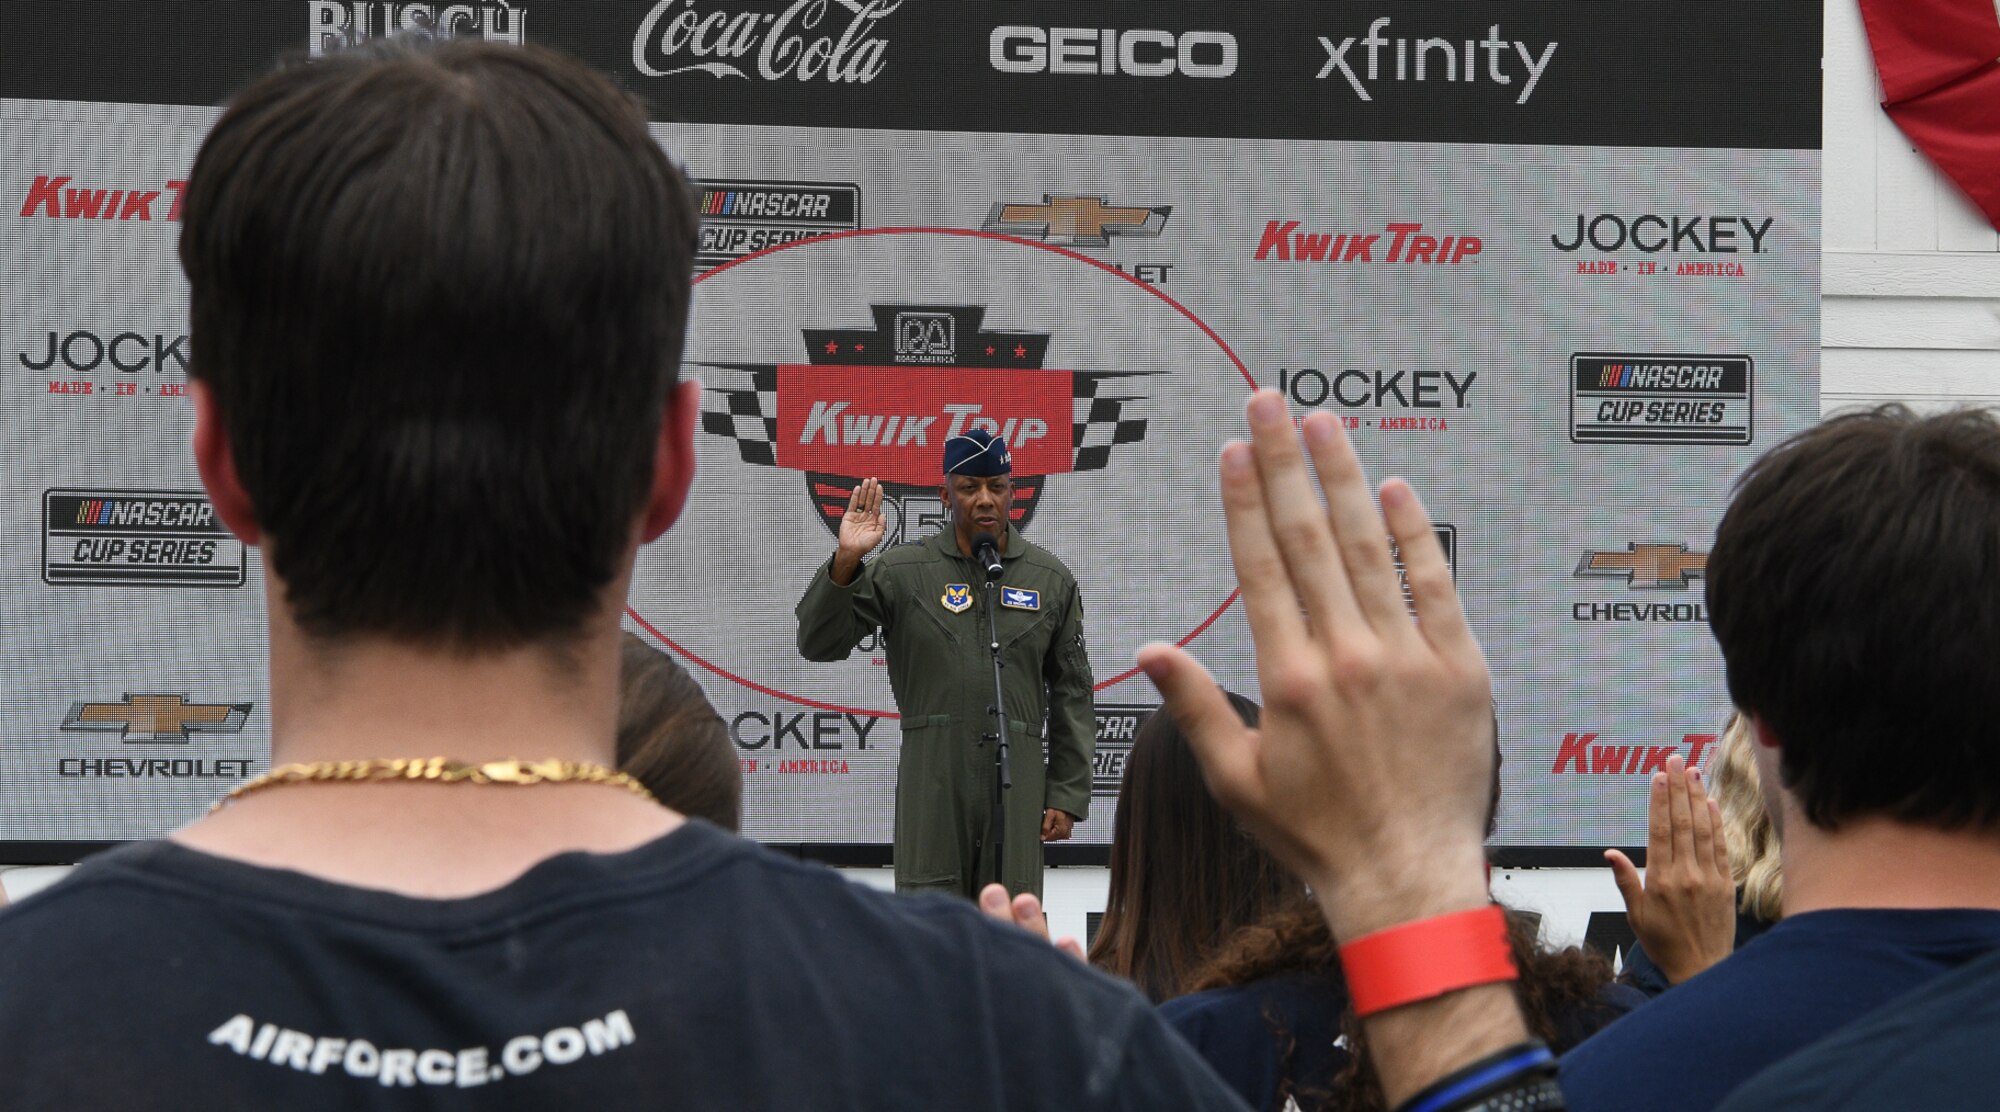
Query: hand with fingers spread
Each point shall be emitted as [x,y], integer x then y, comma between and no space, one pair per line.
[861,529]
[1025,912]
[1371,770]
[1684,911]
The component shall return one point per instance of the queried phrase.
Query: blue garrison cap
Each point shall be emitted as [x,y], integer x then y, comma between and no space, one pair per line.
[977,452]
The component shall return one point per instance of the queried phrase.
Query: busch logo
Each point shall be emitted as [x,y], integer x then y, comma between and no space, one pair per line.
[333,25]
[54,197]
[1583,753]
[925,338]
[1651,233]
[801,42]
[1283,242]
[1420,60]
[129,352]
[1086,50]
[882,401]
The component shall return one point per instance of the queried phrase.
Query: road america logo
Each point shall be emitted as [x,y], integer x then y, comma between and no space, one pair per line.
[881,401]
[806,40]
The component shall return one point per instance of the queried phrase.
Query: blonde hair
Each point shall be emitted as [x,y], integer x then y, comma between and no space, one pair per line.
[1753,841]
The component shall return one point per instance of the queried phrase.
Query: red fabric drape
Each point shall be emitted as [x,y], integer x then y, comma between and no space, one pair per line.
[1939,61]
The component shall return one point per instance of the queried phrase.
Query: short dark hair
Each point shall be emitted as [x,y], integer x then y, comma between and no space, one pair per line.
[671,739]
[439,294]
[1855,590]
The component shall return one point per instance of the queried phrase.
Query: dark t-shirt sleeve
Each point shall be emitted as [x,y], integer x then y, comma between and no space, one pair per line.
[1160,1070]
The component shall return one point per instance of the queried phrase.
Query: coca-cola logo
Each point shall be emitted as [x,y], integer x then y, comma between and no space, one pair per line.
[826,40]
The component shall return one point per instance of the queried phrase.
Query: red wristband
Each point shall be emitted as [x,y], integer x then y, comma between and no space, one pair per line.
[1430,957]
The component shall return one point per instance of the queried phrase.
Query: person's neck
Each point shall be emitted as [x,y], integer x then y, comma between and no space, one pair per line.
[369,699]
[1880,863]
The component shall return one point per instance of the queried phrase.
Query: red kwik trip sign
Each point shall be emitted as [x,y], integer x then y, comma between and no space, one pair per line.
[892,422]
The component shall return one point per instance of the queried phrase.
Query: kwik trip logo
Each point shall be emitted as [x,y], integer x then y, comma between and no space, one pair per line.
[129,538]
[1073,222]
[333,25]
[1284,242]
[1365,62]
[741,218]
[881,401]
[60,197]
[1107,52]
[1643,567]
[806,40]
[1646,398]
[1587,754]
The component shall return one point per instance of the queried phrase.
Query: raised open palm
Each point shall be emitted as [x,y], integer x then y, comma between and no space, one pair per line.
[861,527]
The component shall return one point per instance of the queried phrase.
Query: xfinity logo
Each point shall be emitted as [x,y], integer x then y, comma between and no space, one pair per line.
[1432,59]
[828,40]
[1103,51]
[1652,234]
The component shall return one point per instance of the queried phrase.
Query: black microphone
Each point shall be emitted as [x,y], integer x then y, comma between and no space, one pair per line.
[986,550]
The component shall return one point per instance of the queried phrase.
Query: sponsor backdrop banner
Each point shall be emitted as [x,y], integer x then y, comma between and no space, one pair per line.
[1545,262]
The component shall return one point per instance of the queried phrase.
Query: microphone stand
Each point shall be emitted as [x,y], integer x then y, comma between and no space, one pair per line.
[999,736]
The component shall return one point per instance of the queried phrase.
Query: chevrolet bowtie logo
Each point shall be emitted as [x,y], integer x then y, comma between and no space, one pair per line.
[1646,566]
[156,719]
[1076,221]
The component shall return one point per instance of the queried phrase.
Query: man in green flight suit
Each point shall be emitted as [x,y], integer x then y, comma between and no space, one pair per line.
[926,599]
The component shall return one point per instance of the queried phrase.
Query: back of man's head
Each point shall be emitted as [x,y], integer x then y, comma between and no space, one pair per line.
[438,294]
[1855,590]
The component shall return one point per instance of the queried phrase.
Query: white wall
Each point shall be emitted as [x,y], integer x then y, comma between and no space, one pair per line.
[1911,294]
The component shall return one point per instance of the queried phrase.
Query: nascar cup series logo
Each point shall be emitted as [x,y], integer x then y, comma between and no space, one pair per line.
[740,218]
[1618,398]
[880,401]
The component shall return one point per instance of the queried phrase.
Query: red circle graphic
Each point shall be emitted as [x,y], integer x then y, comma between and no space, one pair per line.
[968,233]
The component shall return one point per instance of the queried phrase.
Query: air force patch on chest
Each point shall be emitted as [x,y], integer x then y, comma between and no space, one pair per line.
[957,597]
[1020,599]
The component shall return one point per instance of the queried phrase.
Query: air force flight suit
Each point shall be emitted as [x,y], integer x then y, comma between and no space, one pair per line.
[927,599]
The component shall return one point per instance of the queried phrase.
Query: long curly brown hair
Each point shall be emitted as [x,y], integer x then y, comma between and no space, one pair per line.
[1554,984]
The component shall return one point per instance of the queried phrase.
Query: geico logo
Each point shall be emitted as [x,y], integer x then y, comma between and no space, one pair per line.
[130,352]
[1088,50]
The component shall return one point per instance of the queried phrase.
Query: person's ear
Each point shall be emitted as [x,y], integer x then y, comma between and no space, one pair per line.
[1761,730]
[673,460]
[216,464]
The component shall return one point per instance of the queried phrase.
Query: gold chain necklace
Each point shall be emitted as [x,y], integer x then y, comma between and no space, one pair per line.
[441,770]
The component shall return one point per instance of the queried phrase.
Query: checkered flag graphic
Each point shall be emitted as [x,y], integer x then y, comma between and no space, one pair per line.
[746,413]
[1100,422]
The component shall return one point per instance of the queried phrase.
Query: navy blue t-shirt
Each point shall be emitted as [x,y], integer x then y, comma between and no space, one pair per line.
[1275,1038]
[695,971]
[1802,980]
[1931,1049]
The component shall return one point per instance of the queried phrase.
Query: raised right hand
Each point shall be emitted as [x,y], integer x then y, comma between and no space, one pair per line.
[1684,911]
[861,527]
